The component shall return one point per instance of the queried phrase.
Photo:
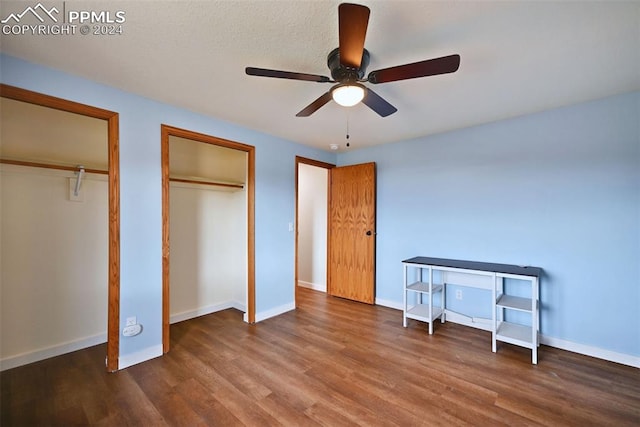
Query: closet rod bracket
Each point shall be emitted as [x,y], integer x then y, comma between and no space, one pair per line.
[79,175]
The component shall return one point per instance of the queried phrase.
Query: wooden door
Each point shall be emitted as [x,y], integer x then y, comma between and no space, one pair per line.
[352,220]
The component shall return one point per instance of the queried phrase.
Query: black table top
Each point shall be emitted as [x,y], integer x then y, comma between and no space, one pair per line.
[476,265]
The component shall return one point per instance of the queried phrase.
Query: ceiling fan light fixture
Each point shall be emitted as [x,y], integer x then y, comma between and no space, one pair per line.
[348,94]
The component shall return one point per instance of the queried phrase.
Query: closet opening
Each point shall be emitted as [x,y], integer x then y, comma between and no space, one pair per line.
[312,180]
[207,227]
[60,222]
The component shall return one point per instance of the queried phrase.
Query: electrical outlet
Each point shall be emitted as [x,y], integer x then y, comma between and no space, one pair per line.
[132,331]
[458,294]
[131,321]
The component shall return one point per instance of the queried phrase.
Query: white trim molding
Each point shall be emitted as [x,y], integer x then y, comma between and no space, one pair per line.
[202,311]
[314,286]
[139,356]
[263,315]
[389,303]
[612,356]
[53,351]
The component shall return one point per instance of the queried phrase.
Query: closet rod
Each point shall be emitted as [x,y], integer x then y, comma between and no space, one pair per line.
[195,181]
[51,166]
[103,172]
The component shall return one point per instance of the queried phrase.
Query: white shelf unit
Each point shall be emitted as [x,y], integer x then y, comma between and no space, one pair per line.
[514,333]
[480,275]
[419,291]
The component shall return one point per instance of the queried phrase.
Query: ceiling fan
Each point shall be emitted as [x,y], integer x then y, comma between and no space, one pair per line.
[348,64]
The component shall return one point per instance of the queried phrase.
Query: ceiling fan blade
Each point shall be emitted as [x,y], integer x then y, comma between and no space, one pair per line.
[353,21]
[378,104]
[264,72]
[430,67]
[315,105]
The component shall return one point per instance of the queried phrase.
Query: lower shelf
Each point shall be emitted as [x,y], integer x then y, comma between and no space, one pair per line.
[513,333]
[421,312]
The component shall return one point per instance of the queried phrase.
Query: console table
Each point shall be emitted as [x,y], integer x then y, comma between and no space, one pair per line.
[419,283]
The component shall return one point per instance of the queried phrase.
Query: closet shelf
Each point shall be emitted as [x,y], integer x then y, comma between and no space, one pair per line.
[199,181]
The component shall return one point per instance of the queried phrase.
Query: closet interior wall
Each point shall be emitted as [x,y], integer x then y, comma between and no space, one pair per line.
[207,228]
[54,242]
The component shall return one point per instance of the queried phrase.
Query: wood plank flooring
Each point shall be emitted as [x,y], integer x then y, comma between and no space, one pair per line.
[331,362]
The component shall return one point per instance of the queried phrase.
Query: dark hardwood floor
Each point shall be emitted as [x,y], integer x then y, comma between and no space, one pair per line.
[331,362]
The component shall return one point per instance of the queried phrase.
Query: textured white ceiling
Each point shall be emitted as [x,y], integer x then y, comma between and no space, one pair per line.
[516,58]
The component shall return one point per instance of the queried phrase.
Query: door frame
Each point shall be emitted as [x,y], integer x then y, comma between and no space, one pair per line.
[112,118]
[166,132]
[303,160]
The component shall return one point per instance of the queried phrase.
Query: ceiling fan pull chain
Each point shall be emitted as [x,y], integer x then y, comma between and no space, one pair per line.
[347,127]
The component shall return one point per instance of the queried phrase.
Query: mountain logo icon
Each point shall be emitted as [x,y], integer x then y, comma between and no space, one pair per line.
[38,11]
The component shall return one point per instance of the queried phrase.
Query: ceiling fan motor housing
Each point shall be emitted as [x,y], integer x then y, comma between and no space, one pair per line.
[349,71]
[340,73]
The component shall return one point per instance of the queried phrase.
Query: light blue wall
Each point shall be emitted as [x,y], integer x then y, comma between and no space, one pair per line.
[559,190]
[140,188]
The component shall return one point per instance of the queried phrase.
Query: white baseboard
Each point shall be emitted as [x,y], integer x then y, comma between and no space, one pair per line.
[389,303]
[314,286]
[612,356]
[140,356]
[473,322]
[53,351]
[263,315]
[599,353]
[202,311]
